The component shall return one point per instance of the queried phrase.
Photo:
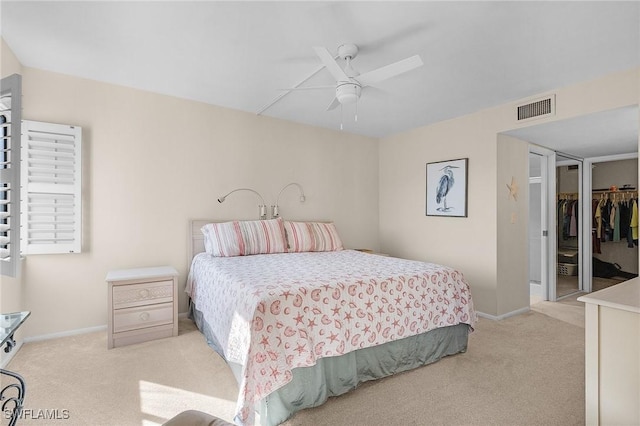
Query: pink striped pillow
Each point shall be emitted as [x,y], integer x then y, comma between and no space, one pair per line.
[312,236]
[242,238]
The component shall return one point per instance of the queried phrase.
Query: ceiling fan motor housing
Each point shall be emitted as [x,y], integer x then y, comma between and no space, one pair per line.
[348,92]
[348,50]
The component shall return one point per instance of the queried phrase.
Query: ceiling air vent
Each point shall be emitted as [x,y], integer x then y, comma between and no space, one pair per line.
[538,108]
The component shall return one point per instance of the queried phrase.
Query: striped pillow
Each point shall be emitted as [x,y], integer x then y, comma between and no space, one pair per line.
[312,236]
[242,238]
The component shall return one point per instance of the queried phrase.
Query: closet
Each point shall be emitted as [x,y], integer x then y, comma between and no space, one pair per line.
[614,198]
[614,247]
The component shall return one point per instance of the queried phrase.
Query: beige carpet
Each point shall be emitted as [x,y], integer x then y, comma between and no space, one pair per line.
[567,309]
[524,370]
[568,284]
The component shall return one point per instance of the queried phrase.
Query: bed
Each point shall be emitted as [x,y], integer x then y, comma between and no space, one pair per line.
[299,319]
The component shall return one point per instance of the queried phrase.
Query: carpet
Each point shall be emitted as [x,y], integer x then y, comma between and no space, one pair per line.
[523,370]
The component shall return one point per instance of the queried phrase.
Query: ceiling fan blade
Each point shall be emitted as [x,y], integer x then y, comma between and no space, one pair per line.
[308,88]
[333,104]
[331,64]
[390,70]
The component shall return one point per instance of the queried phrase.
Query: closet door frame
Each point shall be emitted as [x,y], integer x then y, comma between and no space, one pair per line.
[587,185]
[548,220]
[580,162]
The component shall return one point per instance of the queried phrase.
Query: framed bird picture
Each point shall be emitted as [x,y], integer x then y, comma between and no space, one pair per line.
[447,188]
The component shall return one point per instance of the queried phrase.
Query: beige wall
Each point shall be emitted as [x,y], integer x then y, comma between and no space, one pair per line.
[618,173]
[9,64]
[513,225]
[152,162]
[468,244]
[480,245]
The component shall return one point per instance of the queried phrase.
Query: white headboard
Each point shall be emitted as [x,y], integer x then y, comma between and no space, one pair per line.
[196,239]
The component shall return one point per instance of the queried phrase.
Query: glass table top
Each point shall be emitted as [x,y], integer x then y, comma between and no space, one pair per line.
[9,323]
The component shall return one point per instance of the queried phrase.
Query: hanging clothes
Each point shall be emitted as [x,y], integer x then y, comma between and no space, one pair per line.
[573,221]
[567,217]
[565,220]
[595,226]
[604,219]
[634,221]
[615,228]
[611,221]
[625,218]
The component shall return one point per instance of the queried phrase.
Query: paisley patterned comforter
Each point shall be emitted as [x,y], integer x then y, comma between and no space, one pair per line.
[275,312]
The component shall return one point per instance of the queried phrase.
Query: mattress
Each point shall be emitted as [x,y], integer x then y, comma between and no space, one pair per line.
[275,314]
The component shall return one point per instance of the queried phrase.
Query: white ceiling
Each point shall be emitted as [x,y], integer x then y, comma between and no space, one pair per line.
[604,133]
[240,54]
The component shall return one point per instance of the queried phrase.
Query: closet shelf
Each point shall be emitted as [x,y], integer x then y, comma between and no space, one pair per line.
[614,191]
[624,193]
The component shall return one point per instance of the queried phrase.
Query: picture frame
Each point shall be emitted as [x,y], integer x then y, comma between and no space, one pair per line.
[446,188]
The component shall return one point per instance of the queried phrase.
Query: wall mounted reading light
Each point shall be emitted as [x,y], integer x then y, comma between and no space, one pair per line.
[275,211]
[262,207]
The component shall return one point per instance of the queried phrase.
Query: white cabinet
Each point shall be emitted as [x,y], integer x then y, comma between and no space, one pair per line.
[142,305]
[612,354]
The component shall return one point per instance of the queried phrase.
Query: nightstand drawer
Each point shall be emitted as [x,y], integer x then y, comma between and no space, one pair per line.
[142,317]
[126,296]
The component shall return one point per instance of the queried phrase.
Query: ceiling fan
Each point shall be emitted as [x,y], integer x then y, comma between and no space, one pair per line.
[349,82]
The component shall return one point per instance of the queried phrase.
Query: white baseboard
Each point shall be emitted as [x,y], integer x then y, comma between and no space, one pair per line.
[64,334]
[503,316]
[535,289]
[78,331]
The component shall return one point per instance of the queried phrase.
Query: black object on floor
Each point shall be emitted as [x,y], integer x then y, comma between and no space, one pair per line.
[604,269]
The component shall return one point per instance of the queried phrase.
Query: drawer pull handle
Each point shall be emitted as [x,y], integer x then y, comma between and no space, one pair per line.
[144,316]
[144,293]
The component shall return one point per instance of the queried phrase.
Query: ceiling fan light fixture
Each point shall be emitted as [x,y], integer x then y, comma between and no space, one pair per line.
[348,93]
[349,82]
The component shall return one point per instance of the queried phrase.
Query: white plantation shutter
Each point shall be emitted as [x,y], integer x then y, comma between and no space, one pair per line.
[51,179]
[10,110]
[6,189]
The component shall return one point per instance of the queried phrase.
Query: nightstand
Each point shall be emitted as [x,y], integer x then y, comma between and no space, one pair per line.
[142,305]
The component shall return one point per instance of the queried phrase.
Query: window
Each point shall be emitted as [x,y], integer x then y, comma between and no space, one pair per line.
[40,183]
[51,213]
[10,116]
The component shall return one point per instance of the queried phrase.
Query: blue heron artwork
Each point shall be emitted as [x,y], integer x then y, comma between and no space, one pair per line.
[447,188]
[444,186]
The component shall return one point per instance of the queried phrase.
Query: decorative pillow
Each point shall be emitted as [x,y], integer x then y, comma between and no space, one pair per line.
[312,236]
[242,238]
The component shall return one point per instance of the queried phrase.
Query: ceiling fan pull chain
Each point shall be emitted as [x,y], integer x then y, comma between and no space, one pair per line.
[356,120]
[341,120]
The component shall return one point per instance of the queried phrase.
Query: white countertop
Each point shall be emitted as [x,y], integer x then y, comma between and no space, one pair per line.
[624,296]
